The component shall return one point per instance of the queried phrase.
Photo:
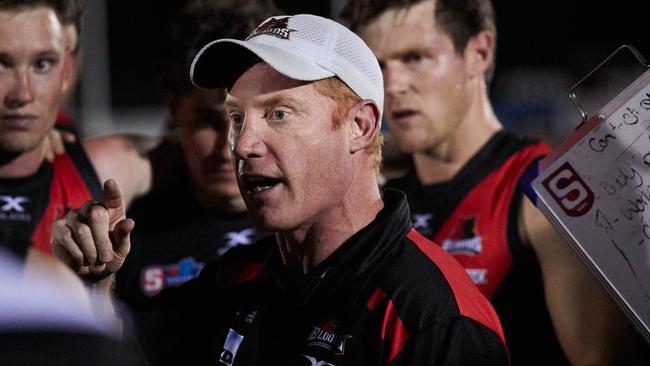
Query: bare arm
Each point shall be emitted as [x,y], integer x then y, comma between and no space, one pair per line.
[591,328]
[123,158]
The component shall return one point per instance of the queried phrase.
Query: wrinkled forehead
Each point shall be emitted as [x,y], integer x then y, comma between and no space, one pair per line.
[262,80]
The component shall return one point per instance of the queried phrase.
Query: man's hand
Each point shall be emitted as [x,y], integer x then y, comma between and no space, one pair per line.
[94,239]
[55,143]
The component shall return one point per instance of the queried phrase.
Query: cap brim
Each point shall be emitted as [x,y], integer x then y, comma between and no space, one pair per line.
[220,63]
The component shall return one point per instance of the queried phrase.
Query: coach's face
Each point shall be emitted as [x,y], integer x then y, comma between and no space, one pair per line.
[33,76]
[292,165]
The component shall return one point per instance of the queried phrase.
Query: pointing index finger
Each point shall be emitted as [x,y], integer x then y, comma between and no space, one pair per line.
[114,201]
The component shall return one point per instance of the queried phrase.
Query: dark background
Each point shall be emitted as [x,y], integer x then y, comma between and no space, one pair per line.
[551,39]
[137,31]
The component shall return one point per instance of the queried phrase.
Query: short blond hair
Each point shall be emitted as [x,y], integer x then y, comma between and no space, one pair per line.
[344,98]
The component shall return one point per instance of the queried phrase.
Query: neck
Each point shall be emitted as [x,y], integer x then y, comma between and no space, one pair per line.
[19,165]
[304,248]
[445,160]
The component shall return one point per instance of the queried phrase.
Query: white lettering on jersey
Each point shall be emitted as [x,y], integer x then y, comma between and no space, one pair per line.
[13,203]
[314,362]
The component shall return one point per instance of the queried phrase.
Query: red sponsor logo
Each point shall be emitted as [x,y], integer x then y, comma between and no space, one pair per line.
[569,191]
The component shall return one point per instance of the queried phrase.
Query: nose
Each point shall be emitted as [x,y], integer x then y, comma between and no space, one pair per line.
[247,141]
[21,92]
[395,78]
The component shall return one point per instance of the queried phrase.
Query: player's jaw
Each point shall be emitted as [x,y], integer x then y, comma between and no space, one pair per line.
[20,132]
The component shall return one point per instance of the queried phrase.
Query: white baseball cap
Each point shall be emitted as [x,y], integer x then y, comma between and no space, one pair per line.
[302,47]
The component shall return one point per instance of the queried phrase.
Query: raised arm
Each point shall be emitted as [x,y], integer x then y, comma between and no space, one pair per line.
[591,328]
[94,240]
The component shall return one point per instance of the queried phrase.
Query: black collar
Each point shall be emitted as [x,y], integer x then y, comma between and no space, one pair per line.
[336,284]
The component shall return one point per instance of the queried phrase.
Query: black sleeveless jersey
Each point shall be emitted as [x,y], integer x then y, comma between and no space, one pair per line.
[474,218]
[29,205]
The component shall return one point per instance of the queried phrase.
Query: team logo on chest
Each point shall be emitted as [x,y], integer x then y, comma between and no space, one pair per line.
[326,336]
[235,238]
[13,208]
[464,239]
[422,223]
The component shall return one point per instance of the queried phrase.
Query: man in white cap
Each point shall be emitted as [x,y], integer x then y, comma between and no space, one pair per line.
[345,280]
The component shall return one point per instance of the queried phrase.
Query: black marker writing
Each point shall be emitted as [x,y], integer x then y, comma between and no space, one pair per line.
[601,144]
[637,205]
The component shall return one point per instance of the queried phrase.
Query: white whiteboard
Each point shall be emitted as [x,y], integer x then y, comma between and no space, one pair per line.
[595,188]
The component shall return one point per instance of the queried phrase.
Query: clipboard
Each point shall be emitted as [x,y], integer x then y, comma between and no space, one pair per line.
[595,189]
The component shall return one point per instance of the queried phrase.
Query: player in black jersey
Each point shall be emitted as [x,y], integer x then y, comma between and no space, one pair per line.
[35,73]
[202,215]
[345,280]
[437,58]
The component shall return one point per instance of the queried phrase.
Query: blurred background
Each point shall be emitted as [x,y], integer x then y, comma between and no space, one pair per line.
[543,49]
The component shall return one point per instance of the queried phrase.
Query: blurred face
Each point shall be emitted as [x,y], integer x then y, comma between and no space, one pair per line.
[293,166]
[203,128]
[33,76]
[425,80]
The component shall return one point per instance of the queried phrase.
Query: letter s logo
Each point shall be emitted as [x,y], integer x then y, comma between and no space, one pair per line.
[152,280]
[569,191]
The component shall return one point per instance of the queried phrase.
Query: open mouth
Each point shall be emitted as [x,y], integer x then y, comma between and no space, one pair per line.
[258,183]
[405,113]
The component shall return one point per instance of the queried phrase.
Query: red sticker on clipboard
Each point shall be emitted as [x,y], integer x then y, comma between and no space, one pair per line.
[569,191]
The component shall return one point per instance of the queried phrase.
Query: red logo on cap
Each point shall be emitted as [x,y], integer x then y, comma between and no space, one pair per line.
[276,27]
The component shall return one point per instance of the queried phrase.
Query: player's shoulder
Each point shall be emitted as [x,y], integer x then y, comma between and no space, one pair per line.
[425,282]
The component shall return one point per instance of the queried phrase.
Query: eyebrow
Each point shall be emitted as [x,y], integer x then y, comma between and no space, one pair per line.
[49,53]
[407,49]
[230,102]
[6,56]
[282,98]
[277,99]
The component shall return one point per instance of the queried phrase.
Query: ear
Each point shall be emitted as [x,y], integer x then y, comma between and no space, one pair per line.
[365,124]
[479,53]
[68,75]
